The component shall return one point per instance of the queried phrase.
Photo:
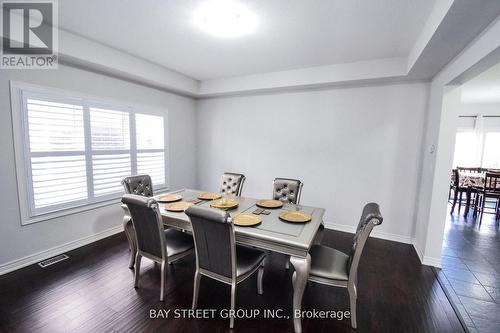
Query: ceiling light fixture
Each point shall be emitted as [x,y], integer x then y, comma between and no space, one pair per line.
[225,18]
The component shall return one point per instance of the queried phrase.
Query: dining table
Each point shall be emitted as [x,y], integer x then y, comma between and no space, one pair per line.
[272,234]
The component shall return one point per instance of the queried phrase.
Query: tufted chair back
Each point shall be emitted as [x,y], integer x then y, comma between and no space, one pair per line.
[148,224]
[370,217]
[232,183]
[140,185]
[287,190]
[214,240]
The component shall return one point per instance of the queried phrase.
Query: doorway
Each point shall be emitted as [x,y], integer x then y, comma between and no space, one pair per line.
[471,242]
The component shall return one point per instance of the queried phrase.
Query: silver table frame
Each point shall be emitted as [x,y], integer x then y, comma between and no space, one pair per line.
[297,247]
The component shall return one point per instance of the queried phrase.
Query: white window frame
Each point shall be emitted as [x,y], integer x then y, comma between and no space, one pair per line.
[19,91]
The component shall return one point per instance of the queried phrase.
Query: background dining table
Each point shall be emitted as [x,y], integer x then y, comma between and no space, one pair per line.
[273,234]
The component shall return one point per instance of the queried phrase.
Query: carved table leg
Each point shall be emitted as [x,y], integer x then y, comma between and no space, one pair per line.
[299,278]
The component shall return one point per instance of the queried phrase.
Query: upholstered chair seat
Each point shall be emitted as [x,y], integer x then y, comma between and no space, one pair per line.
[247,259]
[178,242]
[329,263]
[232,183]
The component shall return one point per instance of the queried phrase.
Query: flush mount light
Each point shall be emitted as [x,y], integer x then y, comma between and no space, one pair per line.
[225,18]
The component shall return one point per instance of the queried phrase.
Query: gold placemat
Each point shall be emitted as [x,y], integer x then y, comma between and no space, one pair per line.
[178,206]
[296,216]
[269,203]
[246,220]
[209,196]
[226,203]
[169,197]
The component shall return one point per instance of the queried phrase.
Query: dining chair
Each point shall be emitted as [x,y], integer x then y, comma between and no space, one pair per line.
[153,241]
[217,255]
[232,183]
[140,185]
[335,268]
[469,190]
[491,189]
[287,190]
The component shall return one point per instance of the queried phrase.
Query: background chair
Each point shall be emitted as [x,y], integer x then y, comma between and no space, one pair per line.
[335,268]
[491,189]
[217,255]
[140,185]
[153,241]
[287,190]
[460,188]
[232,183]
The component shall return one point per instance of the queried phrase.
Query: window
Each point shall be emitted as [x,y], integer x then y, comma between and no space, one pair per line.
[491,153]
[77,151]
[465,149]
[477,142]
[150,147]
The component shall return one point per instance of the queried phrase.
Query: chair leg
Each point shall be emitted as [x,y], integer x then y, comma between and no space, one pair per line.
[163,278]
[130,233]
[138,258]
[260,274]
[460,202]
[496,208]
[196,289]
[233,301]
[476,205]
[483,203]
[455,197]
[352,301]
[131,263]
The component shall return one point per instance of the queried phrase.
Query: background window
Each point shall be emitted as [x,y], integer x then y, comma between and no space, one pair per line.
[56,153]
[491,153]
[77,151]
[466,150]
[111,158]
[150,147]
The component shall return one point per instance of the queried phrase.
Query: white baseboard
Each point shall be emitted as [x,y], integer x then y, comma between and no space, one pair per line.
[426,260]
[375,233]
[430,261]
[36,257]
[419,251]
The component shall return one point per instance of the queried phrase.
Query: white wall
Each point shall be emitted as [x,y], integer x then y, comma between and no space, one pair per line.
[440,131]
[348,145]
[485,109]
[16,241]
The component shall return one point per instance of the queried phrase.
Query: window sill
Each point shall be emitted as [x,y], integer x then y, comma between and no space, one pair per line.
[75,210]
[68,211]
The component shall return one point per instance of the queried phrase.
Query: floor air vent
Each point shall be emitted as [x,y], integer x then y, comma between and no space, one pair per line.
[53,260]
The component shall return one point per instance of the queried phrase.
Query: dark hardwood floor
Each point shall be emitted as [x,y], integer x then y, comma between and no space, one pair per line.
[93,292]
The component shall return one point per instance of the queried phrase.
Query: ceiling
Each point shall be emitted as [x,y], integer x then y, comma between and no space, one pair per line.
[484,88]
[290,34]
